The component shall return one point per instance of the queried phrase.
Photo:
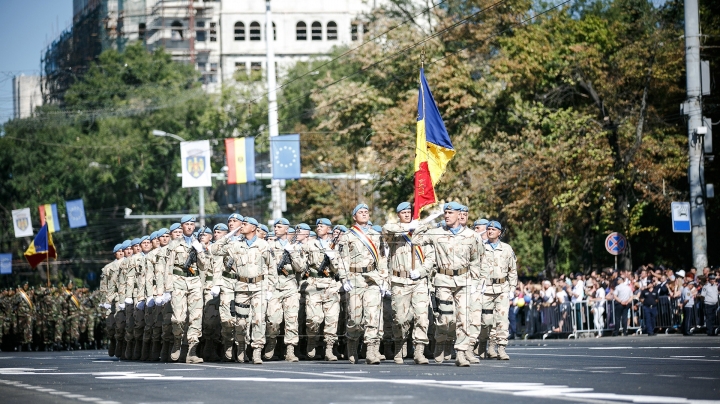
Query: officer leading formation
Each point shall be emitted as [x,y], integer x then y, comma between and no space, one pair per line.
[242,292]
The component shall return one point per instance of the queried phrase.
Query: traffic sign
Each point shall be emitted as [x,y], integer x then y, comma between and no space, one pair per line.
[681,217]
[615,243]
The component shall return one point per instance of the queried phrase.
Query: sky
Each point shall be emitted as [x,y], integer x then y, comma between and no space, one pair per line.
[26,28]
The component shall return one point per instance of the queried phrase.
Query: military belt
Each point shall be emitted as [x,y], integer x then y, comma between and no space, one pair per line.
[453,272]
[229,275]
[487,311]
[450,302]
[402,273]
[250,280]
[362,270]
[184,273]
[496,281]
[208,278]
[319,275]
[446,312]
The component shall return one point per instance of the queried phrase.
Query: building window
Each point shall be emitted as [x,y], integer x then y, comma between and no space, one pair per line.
[141,31]
[201,66]
[332,31]
[316,31]
[255,31]
[213,67]
[301,31]
[239,31]
[177,32]
[240,67]
[255,71]
[274,32]
[213,32]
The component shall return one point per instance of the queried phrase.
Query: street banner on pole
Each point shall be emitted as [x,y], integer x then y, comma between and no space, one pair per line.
[76,213]
[195,160]
[49,215]
[22,222]
[5,264]
[240,153]
[285,151]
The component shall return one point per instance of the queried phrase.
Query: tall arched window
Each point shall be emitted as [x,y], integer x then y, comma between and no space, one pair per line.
[332,31]
[301,31]
[239,31]
[274,32]
[177,31]
[141,31]
[316,31]
[255,33]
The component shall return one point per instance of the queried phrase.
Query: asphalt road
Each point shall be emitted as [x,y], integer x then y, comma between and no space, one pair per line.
[641,369]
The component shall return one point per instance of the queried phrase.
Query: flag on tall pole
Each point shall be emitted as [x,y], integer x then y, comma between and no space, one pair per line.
[433,151]
[41,249]
[240,153]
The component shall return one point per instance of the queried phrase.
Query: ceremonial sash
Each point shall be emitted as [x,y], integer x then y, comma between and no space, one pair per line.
[366,242]
[416,248]
[73,298]
[27,299]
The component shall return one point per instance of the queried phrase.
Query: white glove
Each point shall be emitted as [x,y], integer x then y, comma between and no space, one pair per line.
[432,217]
[473,289]
[384,292]
[197,246]
[232,233]
[215,291]
[289,247]
[128,300]
[414,274]
[347,286]
[140,305]
[106,306]
[482,288]
[330,254]
[166,297]
[413,225]
[268,295]
[122,306]
[159,300]
[151,302]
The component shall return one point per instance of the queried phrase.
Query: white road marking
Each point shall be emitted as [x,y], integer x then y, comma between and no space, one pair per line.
[688,356]
[667,375]
[633,358]
[634,373]
[704,378]
[604,367]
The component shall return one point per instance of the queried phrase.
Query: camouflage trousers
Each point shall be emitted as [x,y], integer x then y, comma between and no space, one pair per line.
[72,325]
[227,311]
[139,326]
[130,321]
[410,304]
[187,302]
[284,305]
[59,329]
[495,308]
[151,316]
[322,305]
[211,315]
[25,329]
[250,315]
[120,322]
[476,318]
[164,320]
[364,313]
[457,319]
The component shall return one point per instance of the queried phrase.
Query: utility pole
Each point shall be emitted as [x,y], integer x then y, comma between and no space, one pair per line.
[191,32]
[696,131]
[272,106]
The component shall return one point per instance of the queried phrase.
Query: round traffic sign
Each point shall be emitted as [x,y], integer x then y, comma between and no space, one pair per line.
[615,243]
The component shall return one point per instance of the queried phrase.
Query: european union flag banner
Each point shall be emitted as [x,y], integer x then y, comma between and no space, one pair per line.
[285,157]
[76,213]
[5,264]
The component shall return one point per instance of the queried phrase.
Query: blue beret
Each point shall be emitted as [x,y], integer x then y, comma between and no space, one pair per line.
[207,230]
[125,244]
[162,232]
[187,218]
[324,221]
[302,226]
[251,220]
[291,230]
[117,248]
[264,228]
[313,234]
[153,235]
[282,221]
[135,242]
[341,228]
[220,226]
[442,224]
[481,222]
[403,206]
[360,206]
[271,234]
[143,238]
[377,228]
[453,206]
[236,216]
[174,226]
[464,208]
[495,224]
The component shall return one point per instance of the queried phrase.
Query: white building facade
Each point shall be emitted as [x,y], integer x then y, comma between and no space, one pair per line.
[26,95]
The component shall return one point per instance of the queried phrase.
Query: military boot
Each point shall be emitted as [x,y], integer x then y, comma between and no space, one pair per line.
[470,356]
[419,356]
[137,351]
[329,356]
[492,350]
[119,347]
[372,356]
[290,354]
[311,348]
[352,347]
[192,354]
[176,348]
[129,348]
[111,348]
[208,348]
[165,351]
[227,351]
[502,355]
[481,349]
[183,353]
[213,352]
[460,359]
[257,356]
[439,353]
[270,348]
[240,357]
[399,353]
[155,353]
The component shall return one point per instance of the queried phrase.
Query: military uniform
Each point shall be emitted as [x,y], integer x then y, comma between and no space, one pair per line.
[73,313]
[25,310]
[135,313]
[499,274]
[211,310]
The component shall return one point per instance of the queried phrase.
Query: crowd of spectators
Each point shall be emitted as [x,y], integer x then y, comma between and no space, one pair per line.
[650,299]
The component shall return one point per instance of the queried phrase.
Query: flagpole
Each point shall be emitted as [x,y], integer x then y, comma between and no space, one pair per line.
[48,262]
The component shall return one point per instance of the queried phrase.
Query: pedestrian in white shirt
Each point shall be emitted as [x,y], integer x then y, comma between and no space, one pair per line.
[621,305]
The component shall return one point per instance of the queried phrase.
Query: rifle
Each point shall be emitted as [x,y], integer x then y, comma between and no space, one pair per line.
[286,259]
[192,257]
[326,261]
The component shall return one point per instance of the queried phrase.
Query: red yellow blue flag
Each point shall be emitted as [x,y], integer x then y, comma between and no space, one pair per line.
[433,151]
[41,249]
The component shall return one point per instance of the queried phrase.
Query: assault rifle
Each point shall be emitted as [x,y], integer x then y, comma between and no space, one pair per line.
[286,259]
[326,261]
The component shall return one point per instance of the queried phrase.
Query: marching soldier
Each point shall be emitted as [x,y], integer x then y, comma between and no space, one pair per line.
[476,301]
[499,278]
[125,288]
[285,302]
[211,301]
[138,287]
[161,346]
[175,233]
[458,257]
[25,310]
[73,310]
[148,292]
[363,273]
[109,296]
[410,266]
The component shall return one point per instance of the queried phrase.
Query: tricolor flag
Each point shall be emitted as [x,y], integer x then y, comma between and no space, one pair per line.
[433,151]
[41,249]
[240,153]
[49,215]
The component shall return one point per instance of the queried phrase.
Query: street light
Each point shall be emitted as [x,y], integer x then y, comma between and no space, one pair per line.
[201,190]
